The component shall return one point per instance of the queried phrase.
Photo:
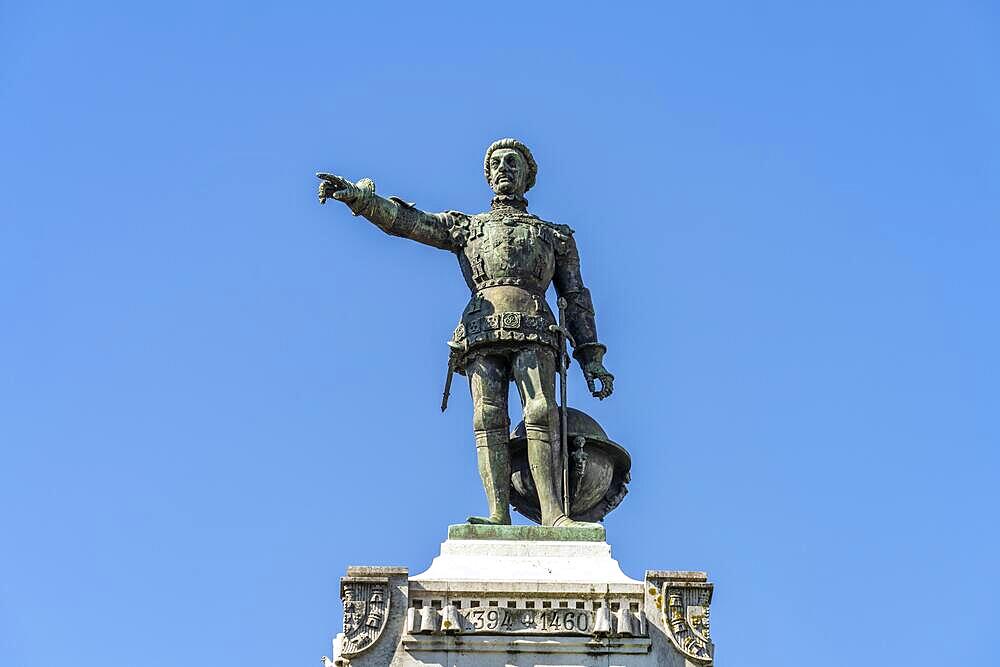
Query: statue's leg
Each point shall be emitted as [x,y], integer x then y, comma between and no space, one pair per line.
[534,371]
[491,424]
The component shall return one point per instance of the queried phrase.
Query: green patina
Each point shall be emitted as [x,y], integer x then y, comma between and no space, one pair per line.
[510,259]
[467,531]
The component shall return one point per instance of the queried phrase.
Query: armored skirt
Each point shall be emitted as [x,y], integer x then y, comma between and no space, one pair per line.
[501,319]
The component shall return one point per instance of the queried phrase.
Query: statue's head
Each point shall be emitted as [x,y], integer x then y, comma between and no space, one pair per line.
[509,167]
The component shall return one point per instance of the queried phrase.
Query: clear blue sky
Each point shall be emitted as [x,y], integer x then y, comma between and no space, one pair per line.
[216,394]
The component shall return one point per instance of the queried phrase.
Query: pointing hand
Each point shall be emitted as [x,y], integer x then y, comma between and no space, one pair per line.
[336,187]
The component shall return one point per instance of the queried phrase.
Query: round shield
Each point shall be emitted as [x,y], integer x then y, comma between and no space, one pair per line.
[598,471]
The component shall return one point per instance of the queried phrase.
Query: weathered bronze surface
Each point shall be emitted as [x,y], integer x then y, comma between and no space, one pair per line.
[507,332]
[598,472]
[582,533]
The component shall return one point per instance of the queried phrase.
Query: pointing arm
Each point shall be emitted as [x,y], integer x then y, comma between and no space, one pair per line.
[393,215]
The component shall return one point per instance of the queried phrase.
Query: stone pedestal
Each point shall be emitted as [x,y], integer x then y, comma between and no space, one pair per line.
[509,596]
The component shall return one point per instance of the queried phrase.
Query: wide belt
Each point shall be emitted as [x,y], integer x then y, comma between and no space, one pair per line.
[509,321]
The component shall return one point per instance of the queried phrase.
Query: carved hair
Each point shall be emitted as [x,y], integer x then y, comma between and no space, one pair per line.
[520,148]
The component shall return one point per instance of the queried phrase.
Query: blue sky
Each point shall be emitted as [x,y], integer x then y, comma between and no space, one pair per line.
[216,394]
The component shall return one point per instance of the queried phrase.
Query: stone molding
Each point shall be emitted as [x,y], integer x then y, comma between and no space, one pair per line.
[528,644]
[494,602]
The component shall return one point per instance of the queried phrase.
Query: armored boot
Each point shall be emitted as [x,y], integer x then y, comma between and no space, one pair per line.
[494,467]
[566,522]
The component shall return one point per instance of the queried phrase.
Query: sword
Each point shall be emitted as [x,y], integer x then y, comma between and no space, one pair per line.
[447,389]
[564,335]
[451,373]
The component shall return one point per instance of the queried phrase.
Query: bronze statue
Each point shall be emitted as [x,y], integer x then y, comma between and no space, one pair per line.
[507,332]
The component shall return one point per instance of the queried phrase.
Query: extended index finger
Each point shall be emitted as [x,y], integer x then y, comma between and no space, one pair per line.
[330,178]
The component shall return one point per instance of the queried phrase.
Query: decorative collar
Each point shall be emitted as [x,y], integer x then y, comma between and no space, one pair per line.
[511,201]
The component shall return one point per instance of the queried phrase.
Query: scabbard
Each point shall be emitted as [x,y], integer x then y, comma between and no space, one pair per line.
[447,387]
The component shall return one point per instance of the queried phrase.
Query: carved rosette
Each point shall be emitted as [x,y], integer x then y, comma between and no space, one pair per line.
[366,609]
[685,612]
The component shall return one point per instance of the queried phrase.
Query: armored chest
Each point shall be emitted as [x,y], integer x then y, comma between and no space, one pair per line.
[509,249]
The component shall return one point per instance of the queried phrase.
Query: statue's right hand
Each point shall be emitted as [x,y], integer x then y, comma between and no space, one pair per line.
[336,187]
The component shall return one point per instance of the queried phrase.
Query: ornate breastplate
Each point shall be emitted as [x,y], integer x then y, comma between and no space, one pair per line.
[509,247]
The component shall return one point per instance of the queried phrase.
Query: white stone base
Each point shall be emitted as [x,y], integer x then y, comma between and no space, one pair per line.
[523,562]
[513,603]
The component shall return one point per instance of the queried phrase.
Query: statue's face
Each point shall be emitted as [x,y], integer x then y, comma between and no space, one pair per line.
[508,172]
